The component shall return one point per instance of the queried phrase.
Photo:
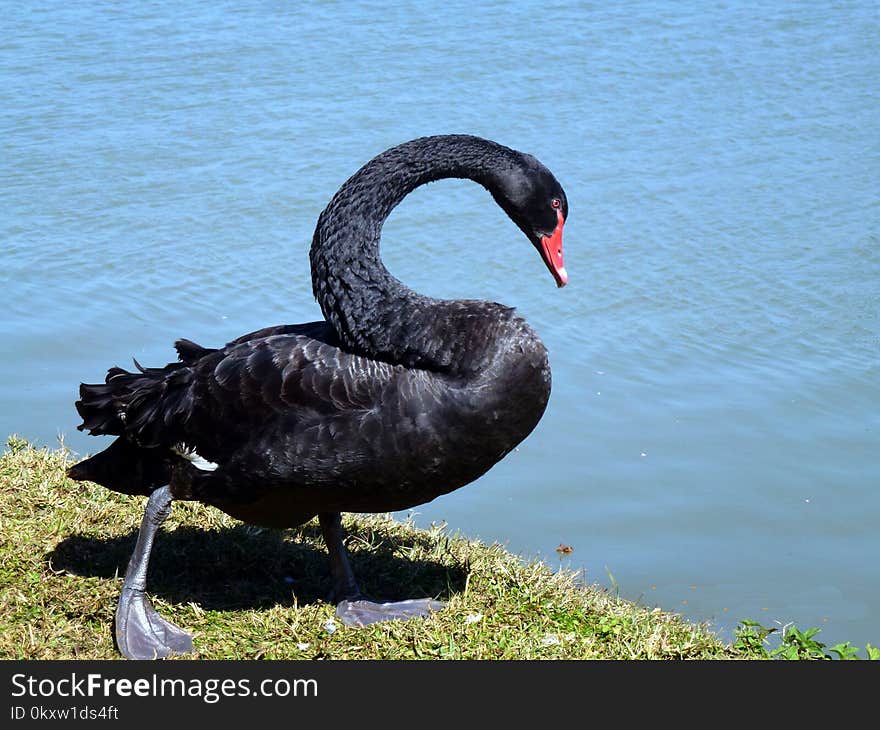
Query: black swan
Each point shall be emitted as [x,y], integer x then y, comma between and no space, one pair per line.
[395,399]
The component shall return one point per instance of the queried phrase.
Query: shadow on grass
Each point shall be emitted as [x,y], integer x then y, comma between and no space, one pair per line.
[242,568]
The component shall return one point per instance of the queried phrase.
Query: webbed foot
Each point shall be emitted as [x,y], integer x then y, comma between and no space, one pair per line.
[361,612]
[141,633]
[351,608]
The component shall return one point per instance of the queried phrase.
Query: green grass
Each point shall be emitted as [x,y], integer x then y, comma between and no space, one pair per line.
[250,593]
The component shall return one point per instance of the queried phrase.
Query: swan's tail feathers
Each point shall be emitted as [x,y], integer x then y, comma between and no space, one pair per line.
[96,408]
[149,407]
[124,467]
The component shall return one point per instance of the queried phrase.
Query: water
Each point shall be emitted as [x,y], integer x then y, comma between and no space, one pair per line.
[711,444]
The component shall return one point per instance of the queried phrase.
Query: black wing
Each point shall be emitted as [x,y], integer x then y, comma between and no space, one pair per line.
[271,405]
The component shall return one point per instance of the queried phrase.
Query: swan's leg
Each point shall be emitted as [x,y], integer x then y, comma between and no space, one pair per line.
[344,584]
[352,609]
[141,633]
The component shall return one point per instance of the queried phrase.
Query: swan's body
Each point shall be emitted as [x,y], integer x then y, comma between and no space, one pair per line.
[392,401]
[306,427]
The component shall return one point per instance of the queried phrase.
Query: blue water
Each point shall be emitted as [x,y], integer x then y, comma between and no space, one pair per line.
[712,441]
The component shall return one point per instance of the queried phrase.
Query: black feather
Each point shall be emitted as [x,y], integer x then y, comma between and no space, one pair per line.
[188,351]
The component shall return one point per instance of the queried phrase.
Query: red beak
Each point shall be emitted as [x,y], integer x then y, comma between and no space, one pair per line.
[551,252]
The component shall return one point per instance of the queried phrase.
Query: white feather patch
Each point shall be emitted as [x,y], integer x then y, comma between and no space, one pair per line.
[191,456]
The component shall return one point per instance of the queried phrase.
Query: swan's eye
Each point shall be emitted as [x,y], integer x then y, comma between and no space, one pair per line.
[556,203]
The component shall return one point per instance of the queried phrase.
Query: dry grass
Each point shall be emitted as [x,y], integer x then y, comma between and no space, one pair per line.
[249,593]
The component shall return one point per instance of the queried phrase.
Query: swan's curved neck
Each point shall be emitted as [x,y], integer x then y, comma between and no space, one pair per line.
[373,312]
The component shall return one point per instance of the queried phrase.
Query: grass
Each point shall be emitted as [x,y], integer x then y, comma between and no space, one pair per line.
[251,593]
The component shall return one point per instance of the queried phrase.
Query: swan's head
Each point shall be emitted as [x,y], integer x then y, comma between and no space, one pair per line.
[533,198]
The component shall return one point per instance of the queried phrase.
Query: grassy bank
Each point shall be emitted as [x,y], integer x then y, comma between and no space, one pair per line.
[248,593]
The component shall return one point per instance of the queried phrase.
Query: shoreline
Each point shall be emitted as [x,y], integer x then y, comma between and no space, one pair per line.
[253,593]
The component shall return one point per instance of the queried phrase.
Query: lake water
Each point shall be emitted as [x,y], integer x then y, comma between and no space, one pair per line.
[711,445]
